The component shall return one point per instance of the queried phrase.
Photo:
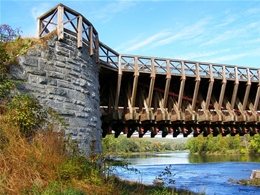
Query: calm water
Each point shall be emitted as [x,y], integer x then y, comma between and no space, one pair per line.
[196,173]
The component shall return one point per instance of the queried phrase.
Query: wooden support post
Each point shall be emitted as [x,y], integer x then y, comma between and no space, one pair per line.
[223,88]
[163,100]
[183,79]
[97,48]
[60,28]
[148,115]
[90,34]
[131,98]
[234,94]
[136,75]
[248,87]
[257,97]
[119,78]
[210,88]
[79,32]
[151,88]
[196,90]
[167,84]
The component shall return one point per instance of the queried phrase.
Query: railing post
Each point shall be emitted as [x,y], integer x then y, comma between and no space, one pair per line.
[90,34]
[79,34]
[60,28]
[97,48]
[39,29]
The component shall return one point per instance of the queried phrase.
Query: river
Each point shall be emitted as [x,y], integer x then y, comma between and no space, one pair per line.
[201,174]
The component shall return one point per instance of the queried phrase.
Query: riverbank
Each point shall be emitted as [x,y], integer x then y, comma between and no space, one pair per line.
[249,182]
[137,188]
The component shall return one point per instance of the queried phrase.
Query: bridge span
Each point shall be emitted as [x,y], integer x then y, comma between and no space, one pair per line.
[139,93]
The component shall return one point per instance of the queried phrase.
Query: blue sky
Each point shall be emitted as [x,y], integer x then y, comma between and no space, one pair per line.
[224,32]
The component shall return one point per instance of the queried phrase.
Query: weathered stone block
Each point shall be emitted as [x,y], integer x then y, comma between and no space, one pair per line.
[55,75]
[52,82]
[36,72]
[42,80]
[56,91]
[28,61]
[18,72]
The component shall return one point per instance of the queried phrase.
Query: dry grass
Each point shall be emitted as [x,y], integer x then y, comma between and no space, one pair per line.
[23,164]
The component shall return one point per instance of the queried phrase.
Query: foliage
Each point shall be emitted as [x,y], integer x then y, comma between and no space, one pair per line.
[167,175]
[225,145]
[7,33]
[26,113]
[124,145]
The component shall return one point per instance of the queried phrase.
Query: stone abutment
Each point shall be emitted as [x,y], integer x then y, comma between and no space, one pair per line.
[64,77]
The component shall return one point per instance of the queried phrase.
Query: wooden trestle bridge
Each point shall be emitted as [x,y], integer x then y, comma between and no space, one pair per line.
[153,94]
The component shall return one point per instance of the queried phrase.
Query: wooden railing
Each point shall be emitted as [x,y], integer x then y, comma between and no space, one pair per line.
[65,20]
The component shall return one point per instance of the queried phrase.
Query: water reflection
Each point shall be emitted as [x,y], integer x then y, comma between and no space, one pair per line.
[222,158]
[186,158]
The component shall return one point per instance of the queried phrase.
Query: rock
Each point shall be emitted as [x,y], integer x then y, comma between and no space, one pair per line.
[255,174]
[158,181]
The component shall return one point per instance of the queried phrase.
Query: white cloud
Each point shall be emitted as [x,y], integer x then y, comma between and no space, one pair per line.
[108,11]
[255,10]
[193,55]
[232,57]
[40,9]
[148,40]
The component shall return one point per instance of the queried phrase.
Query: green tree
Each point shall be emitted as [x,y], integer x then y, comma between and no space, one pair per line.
[192,145]
[254,144]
